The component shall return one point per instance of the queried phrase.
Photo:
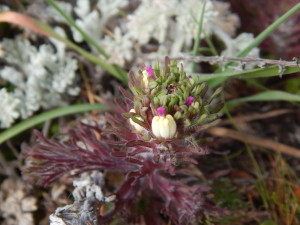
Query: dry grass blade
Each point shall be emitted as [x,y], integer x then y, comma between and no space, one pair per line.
[88,88]
[247,118]
[262,142]
[23,21]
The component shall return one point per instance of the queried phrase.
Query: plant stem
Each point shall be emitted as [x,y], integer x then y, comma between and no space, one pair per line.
[259,61]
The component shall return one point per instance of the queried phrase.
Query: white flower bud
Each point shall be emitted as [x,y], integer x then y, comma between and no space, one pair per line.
[136,126]
[145,78]
[163,126]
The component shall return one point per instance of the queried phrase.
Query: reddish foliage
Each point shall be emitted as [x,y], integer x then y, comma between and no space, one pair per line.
[153,167]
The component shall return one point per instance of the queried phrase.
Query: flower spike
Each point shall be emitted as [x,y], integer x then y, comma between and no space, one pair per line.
[152,132]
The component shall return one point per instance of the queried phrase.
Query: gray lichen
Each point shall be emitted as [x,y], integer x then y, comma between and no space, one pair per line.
[88,196]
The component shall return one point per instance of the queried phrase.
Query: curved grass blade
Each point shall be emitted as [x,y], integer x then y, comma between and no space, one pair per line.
[88,39]
[43,29]
[263,35]
[265,96]
[198,37]
[254,73]
[85,36]
[31,122]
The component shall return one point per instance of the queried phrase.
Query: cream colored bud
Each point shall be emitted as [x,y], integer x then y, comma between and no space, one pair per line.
[145,78]
[136,126]
[163,126]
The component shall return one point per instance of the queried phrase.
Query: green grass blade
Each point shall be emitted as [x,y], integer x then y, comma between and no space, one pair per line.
[88,39]
[263,35]
[43,29]
[85,36]
[198,37]
[261,186]
[115,71]
[266,96]
[254,73]
[31,122]
[211,45]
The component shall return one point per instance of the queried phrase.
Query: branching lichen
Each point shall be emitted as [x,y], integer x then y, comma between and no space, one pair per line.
[38,77]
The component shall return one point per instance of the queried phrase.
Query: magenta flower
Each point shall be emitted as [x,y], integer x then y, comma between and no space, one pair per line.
[189,101]
[150,71]
[161,111]
[147,74]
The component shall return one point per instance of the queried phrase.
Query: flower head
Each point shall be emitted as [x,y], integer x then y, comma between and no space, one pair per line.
[173,93]
[189,101]
[146,160]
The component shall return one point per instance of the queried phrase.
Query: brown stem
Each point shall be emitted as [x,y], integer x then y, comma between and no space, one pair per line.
[260,61]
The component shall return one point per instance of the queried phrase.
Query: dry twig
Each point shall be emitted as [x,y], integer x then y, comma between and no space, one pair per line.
[87,85]
[248,118]
[259,61]
[269,144]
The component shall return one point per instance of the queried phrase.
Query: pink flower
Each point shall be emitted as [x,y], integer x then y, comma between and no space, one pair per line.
[150,71]
[161,111]
[147,74]
[189,101]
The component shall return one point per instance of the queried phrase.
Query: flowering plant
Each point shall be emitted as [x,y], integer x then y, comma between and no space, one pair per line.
[152,137]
